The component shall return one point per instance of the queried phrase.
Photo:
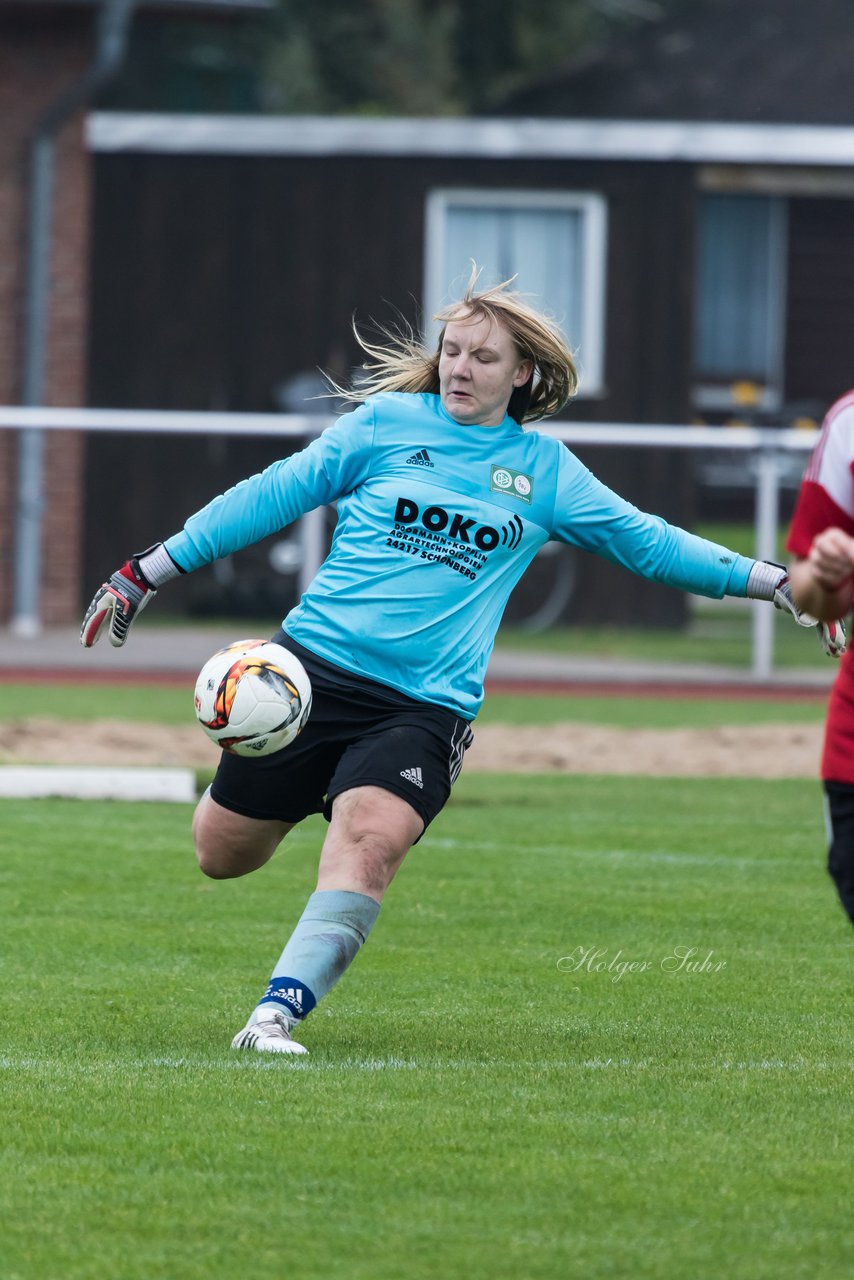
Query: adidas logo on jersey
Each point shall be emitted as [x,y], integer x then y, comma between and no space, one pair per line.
[420,459]
[413,775]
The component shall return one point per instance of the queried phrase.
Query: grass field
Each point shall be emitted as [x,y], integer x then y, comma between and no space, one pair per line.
[718,633]
[172,705]
[522,1076]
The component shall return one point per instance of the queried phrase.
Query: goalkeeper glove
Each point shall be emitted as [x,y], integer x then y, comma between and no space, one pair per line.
[117,602]
[834,638]
[770,581]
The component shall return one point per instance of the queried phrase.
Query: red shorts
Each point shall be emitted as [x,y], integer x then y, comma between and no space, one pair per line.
[837,763]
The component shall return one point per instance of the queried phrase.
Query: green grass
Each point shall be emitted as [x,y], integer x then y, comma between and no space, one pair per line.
[718,635]
[172,705]
[662,712]
[166,704]
[477,1104]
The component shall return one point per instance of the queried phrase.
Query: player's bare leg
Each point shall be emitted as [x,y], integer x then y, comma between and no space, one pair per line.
[369,836]
[229,844]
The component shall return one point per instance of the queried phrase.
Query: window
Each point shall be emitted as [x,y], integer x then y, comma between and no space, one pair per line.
[740,287]
[552,242]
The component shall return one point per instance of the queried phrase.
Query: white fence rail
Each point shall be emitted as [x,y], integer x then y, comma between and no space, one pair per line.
[768,454]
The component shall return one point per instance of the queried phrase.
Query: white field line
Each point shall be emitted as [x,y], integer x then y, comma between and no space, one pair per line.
[618,855]
[195,1066]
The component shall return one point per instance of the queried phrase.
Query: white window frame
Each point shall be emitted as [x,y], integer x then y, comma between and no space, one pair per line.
[594,232]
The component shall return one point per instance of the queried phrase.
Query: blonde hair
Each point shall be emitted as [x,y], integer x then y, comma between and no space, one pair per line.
[403,362]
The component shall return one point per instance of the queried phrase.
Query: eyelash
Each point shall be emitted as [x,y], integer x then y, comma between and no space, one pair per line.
[452,355]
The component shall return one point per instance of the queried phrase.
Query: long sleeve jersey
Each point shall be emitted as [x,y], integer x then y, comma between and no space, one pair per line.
[437,522]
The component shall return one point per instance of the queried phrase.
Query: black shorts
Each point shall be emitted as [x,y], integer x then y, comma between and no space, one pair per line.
[359,734]
[840,854]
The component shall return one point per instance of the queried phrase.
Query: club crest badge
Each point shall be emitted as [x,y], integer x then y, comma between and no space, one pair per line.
[515,484]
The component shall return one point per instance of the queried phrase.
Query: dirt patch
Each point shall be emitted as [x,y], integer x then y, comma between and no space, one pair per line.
[762,751]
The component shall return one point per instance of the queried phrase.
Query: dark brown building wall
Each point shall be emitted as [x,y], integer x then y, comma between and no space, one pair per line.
[216,278]
[39,56]
[820,302]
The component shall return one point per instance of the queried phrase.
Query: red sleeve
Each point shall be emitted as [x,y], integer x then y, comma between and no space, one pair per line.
[814,512]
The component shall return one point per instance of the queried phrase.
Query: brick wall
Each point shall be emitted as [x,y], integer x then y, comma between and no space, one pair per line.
[39,57]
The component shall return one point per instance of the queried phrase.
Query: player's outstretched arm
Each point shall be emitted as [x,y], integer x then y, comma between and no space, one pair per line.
[118,601]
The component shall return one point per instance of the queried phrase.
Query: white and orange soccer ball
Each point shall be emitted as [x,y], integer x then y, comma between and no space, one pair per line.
[253,697]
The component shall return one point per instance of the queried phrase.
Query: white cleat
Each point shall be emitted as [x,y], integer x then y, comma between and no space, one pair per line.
[271,1034]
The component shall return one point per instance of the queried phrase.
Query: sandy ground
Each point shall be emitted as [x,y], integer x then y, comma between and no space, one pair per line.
[763,751]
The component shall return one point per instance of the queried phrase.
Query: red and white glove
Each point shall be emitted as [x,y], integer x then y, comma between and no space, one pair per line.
[832,635]
[117,602]
[834,638]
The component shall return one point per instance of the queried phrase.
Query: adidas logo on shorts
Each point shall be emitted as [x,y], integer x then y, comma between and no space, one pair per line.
[420,459]
[413,775]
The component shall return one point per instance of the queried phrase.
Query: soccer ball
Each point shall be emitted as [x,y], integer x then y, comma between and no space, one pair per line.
[253,697]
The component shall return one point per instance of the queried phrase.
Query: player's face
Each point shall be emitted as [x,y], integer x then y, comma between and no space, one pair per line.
[479,367]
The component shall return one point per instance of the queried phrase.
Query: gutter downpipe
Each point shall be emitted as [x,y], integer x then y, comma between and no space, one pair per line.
[112,36]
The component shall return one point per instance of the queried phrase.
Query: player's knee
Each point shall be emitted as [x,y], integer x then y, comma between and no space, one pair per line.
[372,818]
[376,858]
[374,852]
[212,857]
[220,860]
[214,854]
[213,864]
[205,849]
[231,847]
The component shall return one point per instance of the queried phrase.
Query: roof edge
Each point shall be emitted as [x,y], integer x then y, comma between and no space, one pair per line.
[480,137]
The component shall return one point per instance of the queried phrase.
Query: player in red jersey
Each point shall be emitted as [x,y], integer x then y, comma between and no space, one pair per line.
[821,540]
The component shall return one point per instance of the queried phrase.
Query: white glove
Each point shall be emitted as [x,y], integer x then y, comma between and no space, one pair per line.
[832,636]
[115,605]
[117,602]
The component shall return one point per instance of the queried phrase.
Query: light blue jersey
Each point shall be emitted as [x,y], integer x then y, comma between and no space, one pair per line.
[437,522]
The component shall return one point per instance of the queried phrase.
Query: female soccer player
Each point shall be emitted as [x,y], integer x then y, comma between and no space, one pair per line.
[822,542]
[443,502]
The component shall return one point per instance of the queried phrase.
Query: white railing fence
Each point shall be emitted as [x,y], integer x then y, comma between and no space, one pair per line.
[767,452]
